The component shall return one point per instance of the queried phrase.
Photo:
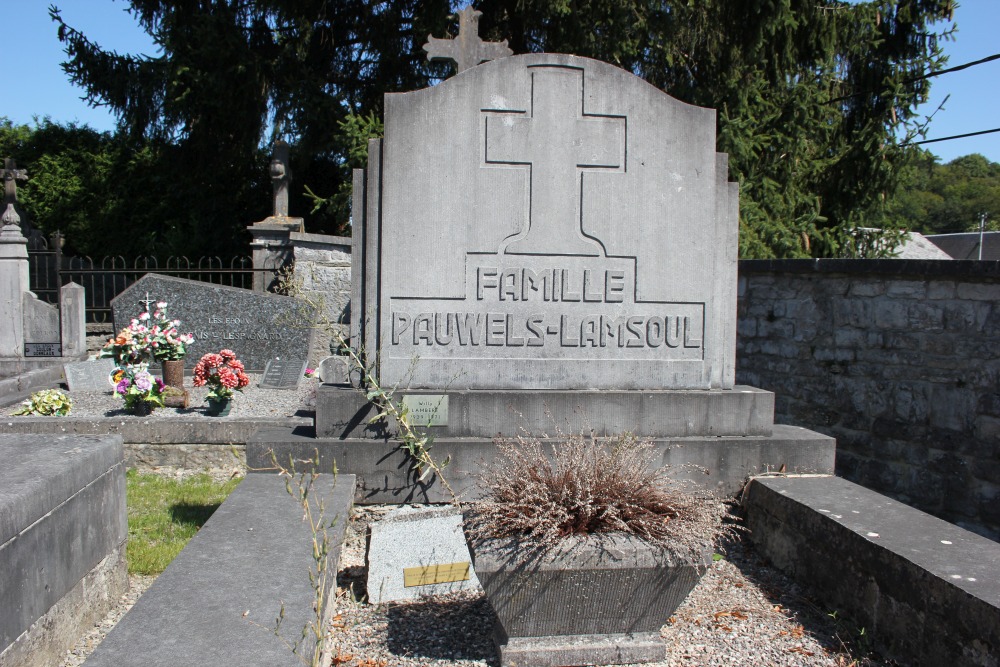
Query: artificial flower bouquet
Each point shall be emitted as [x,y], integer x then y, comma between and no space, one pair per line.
[141,391]
[149,336]
[222,372]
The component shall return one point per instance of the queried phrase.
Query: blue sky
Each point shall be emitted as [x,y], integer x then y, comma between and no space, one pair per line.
[33,83]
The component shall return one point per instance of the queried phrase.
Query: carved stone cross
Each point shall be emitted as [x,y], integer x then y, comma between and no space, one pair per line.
[281,177]
[11,174]
[558,142]
[468,49]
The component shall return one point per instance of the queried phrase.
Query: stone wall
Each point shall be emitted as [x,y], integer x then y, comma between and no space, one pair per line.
[897,359]
[323,277]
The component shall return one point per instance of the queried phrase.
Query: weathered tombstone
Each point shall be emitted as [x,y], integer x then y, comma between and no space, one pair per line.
[41,327]
[33,334]
[586,238]
[283,373]
[257,327]
[90,375]
[546,243]
[418,551]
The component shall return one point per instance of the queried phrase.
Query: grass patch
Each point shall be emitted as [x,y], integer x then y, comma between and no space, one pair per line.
[164,514]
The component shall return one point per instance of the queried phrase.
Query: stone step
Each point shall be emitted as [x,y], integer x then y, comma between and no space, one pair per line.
[926,591]
[343,412]
[217,602]
[386,476]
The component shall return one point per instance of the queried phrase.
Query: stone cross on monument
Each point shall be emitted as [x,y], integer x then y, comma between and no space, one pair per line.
[281,177]
[11,174]
[467,49]
[559,142]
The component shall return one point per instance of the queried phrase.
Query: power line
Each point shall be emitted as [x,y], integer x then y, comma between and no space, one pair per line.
[957,68]
[957,136]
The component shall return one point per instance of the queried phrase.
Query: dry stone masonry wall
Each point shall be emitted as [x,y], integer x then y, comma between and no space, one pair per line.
[897,359]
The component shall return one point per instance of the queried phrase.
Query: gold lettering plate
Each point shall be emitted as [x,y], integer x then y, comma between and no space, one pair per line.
[435,574]
[427,409]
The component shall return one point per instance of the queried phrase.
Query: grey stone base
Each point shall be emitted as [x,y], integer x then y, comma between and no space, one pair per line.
[152,429]
[144,457]
[56,631]
[927,592]
[14,366]
[16,386]
[385,474]
[581,650]
[343,412]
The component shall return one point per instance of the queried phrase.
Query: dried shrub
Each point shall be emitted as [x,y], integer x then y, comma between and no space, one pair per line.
[541,493]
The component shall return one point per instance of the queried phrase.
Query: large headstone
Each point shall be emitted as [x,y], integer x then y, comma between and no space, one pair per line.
[258,327]
[548,222]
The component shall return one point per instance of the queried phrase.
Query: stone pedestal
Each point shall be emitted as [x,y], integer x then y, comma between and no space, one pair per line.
[714,439]
[13,283]
[271,247]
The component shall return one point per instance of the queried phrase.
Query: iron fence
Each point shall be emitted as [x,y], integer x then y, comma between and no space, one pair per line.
[107,277]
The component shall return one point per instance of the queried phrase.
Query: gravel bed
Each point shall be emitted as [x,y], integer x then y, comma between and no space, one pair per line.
[742,612]
[137,585]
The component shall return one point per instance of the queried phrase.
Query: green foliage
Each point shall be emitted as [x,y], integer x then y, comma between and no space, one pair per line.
[164,514]
[944,199]
[810,94]
[47,403]
[110,195]
[233,76]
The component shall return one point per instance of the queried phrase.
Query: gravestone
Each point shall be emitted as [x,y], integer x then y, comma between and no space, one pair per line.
[90,375]
[418,551]
[586,238]
[257,327]
[271,246]
[41,327]
[283,373]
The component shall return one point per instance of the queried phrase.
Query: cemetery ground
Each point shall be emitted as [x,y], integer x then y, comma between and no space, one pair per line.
[742,612]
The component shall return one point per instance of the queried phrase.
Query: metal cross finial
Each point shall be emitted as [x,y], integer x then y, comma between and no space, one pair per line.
[11,174]
[146,302]
[467,49]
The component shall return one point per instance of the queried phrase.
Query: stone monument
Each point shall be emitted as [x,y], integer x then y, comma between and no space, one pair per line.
[257,327]
[271,246]
[547,243]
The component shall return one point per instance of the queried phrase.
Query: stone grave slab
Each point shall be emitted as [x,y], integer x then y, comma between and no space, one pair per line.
[586,237]
[216,603]
[63,529]
[334,369]
[90,375]
[257,326]
[42,337]
[417,551]
[283,373]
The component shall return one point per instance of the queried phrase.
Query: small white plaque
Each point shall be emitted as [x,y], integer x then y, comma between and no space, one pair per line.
[427,409]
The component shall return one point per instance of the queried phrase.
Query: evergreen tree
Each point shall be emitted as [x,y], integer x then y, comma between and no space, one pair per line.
[810,93]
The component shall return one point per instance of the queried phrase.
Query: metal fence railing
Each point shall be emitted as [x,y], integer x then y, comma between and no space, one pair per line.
[107,277]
